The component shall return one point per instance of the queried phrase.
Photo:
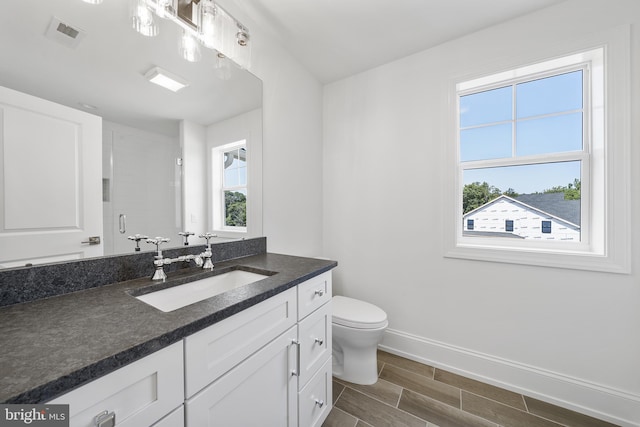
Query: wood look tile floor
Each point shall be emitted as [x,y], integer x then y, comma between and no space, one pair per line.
[411,394]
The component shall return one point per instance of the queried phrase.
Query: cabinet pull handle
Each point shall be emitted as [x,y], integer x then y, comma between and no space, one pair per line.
[320,403]
[105,419]
[320,341]
[319,292]
[296,372]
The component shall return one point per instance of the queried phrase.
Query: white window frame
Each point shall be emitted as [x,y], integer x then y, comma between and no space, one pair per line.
[605,218]
[218,189]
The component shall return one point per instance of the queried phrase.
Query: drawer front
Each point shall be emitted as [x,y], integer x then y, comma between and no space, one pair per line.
[174,419]
[313,293]
[215,350]
[140,393]
[315,342]
[314,401]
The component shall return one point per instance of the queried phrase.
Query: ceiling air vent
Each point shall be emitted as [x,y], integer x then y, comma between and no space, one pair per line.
[65,34]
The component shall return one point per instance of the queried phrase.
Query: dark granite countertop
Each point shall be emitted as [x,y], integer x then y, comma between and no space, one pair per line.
[51,346]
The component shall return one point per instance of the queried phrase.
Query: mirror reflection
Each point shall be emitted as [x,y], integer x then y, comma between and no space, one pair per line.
[158,149]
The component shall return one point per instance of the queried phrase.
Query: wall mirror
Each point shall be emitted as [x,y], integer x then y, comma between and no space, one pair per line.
[156,144]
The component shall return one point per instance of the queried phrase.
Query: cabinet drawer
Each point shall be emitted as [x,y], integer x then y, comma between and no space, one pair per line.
[314,401]
[217,349]
[315,342]
[313,293]
[140,393]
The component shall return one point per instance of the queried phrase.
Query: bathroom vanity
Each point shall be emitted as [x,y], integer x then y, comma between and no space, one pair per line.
[259,354]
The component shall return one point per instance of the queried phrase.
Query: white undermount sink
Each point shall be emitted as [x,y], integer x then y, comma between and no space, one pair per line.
[182,295]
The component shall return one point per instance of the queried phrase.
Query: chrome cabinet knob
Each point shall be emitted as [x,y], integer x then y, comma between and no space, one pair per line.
[319,292]
[320,403]
[320,341]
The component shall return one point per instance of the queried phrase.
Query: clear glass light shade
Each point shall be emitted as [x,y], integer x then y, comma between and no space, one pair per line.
[210,24]
[190,47]
[222,67]
[143,19]
[165,8]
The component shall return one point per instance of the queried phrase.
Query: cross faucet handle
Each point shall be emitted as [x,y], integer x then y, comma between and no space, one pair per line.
[186,235]
[208,236]
[158,241]
[137,238]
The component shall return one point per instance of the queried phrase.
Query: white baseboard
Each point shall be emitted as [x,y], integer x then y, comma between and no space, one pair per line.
[606,403]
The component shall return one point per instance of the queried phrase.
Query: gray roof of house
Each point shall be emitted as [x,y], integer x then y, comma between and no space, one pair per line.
[553,204]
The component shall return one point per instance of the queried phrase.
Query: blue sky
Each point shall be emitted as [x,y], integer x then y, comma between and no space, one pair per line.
[547,117]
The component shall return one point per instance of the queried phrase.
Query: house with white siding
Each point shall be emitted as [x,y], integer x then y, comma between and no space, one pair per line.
[546,216]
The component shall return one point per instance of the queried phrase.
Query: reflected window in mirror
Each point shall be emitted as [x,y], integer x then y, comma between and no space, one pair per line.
[229,186]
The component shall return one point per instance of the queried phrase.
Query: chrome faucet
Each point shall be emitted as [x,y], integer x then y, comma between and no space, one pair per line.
[207,254]
[159,261]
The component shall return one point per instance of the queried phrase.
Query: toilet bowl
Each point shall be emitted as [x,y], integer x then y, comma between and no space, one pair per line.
[357,329]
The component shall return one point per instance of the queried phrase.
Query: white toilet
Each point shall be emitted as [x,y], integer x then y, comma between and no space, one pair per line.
[357,328]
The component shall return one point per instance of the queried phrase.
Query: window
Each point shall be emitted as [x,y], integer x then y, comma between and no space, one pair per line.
[527,137]
[469,224]
[229,180]
[539,162]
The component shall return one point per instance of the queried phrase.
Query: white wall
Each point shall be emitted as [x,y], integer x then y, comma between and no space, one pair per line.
[292,143]
[193,141]
[248,127]
[565,336]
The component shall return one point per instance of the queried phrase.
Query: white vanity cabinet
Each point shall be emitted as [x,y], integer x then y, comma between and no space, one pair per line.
[314,337]
[140,394]
[268,365]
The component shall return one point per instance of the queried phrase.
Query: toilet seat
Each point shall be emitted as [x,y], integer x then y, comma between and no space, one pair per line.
[357,314]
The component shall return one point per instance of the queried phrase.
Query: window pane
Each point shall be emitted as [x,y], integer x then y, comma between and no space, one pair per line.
[488,142]
[549,95]
[515,201]
[242,157]
[235,208]
[242,176]
[231,178]
[486,107]
[549,135]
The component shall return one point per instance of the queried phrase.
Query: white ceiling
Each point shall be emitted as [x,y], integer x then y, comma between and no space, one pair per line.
[339,38]
[106,69]
[331,38]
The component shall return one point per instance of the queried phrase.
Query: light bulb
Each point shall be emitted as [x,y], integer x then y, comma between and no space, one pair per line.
[142,18]
[189,47]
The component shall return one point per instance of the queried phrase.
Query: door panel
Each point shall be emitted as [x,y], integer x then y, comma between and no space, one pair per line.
[50,185]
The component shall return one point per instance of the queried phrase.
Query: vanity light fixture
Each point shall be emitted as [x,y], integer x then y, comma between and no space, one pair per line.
[143,19]
[165,79]
[203,22]
[190,47]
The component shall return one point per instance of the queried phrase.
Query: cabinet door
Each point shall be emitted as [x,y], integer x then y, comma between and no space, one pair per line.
[315,342]
[259,392]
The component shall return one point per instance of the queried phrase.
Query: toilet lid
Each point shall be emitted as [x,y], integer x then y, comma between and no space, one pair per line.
[357,314]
